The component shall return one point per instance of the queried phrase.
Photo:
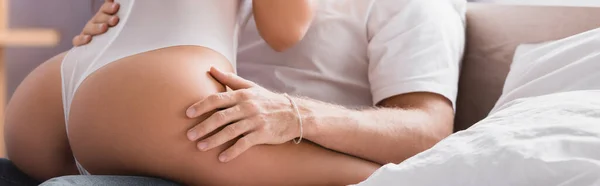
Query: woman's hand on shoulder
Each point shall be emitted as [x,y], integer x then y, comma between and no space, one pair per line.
[99,24]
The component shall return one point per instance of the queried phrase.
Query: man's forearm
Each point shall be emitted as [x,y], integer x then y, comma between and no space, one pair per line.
[383,135]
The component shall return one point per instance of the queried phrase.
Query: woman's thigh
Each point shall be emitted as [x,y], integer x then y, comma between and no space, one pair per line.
[35,133]
[128,118]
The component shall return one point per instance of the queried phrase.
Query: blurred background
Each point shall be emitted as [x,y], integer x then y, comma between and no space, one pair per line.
[69,16]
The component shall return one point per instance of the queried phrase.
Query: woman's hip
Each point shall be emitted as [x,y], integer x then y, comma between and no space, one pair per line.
[132,111]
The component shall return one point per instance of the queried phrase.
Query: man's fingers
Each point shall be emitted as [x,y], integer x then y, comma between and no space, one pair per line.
[231,80]
[226,134]
[212,102]
[81,40]
[240,146]
[215,121]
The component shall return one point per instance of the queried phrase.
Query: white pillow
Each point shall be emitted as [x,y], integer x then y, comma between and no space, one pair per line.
[545,129]
[547,140]
[564,65]
[594,3]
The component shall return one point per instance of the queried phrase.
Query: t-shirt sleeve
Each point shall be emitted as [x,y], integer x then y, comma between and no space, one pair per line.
[415,46]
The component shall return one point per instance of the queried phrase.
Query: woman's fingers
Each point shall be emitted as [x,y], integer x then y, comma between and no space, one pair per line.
[81,40]
[90,29]
[110,20]
[99,24]
[109,7]
[102,20]
[106,14]
[95,28]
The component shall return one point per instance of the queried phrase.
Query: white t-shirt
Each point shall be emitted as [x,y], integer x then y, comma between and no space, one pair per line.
[359,52]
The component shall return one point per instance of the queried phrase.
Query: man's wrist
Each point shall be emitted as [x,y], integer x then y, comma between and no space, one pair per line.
[319,118]
[308,117]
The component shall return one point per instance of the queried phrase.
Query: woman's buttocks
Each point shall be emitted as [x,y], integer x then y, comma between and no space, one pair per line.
[126,92]
[126,113]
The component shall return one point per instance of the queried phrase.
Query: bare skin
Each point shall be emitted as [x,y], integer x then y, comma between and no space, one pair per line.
[283,23]
[128,118]
[111,133]
[35,133]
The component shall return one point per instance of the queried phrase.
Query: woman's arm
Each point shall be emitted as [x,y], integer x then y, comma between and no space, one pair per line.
[283,23]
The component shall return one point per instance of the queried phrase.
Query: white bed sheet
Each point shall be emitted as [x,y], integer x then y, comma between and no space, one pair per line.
[544,131]
[547,141]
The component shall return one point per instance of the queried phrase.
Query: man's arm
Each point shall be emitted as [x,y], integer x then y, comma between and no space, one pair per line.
[414,52]
[404,126]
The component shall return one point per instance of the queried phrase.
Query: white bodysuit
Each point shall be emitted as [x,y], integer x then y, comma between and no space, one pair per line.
[153,24]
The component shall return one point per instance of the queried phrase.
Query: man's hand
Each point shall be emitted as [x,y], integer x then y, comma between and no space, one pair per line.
[260,116]
[99,24]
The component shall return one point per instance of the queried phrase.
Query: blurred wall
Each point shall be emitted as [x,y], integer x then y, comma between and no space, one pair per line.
[69,16]
[66,16]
